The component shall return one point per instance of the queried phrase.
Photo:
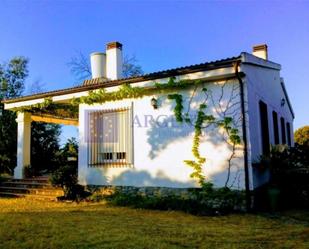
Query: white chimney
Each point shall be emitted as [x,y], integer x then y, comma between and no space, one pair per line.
[260,51]
[114,60]
[98,65]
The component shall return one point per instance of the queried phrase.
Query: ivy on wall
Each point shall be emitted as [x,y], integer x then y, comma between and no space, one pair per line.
[202,121]
[48,107]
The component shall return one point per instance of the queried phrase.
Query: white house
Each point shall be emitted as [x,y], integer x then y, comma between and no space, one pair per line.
[131,137]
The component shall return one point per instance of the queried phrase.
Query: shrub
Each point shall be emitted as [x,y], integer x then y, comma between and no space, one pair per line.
[289,168]
[203,201]
[66,177]
[29,171]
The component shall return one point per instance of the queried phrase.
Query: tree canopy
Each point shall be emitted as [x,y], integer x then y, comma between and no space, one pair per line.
[301,135]
[45,137]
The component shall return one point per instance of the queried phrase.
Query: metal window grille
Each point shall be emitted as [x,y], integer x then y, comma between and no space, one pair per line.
[109,137]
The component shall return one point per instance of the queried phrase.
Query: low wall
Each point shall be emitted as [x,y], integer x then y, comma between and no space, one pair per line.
[144,191]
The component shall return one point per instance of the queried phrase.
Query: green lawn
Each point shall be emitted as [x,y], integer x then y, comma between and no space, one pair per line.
[27,223]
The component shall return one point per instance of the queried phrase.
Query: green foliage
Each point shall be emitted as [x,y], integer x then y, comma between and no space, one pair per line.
[301,136]
[101,96]
[289,170]
[29,171]
[50,108]
[126,91]
[12,78]
[44,147]
[66,177]
[226,124]
[200,123]
[205,201]
[178,107]
[44,136]
[4,177]
[69,150]
[27,223]
[197,164]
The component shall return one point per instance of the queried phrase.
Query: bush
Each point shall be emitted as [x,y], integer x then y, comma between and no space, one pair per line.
[204,201]
[289,168]
[66,177]
[29,171]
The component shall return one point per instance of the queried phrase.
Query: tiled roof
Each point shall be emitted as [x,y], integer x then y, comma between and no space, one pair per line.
[97,83]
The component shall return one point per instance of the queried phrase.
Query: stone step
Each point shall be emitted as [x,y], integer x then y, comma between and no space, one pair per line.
[30,180]
[30,196]
[23,184]
[36,191]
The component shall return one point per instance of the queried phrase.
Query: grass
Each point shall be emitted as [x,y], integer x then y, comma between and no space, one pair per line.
[28,223]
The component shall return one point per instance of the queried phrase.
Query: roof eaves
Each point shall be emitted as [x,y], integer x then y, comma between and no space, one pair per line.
[97,83]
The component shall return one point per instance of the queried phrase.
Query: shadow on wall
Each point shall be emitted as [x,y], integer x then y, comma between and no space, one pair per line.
[131,177]
[165,132]
[143,178]
[236,180]
[96,176]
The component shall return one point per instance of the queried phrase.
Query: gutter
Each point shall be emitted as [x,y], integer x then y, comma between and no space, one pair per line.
[244,131]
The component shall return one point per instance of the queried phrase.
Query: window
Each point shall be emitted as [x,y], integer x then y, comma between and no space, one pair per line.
[288,130]
[283,137]
[276,128]
[264,128]
[109,137]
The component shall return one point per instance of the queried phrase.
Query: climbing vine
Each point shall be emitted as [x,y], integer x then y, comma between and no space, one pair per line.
[178,107]
[201,122]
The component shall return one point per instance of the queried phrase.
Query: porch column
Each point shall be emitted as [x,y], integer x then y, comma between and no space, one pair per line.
[23,143]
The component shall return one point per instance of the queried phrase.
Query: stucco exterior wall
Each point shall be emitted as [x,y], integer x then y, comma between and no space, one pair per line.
[264,84]
[160,144]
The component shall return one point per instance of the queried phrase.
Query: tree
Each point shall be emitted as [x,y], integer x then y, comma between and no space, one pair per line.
[12,78]
[44,147]
[44,141]
[130,67]
[81,69]
[301,135]
[69,150]
[44,136]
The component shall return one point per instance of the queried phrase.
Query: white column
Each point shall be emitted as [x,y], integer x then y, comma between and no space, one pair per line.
[23,143]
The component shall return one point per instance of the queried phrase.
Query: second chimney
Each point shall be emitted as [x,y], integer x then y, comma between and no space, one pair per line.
[114,60]
[260,51]
[98,65]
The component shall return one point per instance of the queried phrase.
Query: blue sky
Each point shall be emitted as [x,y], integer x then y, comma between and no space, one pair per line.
[161,34]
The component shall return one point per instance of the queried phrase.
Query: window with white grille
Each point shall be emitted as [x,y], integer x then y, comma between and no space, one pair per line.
[109,137]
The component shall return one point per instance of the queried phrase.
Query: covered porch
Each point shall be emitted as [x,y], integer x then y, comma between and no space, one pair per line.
[62,114]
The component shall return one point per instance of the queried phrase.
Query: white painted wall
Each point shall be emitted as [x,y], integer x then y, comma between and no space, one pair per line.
[263,83]
[159,152]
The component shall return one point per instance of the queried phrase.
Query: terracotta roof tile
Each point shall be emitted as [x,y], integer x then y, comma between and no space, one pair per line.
[97,83]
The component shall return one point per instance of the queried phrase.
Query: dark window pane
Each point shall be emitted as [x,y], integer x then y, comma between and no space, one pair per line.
[264,128]
[276,128]
[288,129]
[283,137]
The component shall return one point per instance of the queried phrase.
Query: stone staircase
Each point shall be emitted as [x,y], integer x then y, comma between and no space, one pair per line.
[36,188]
